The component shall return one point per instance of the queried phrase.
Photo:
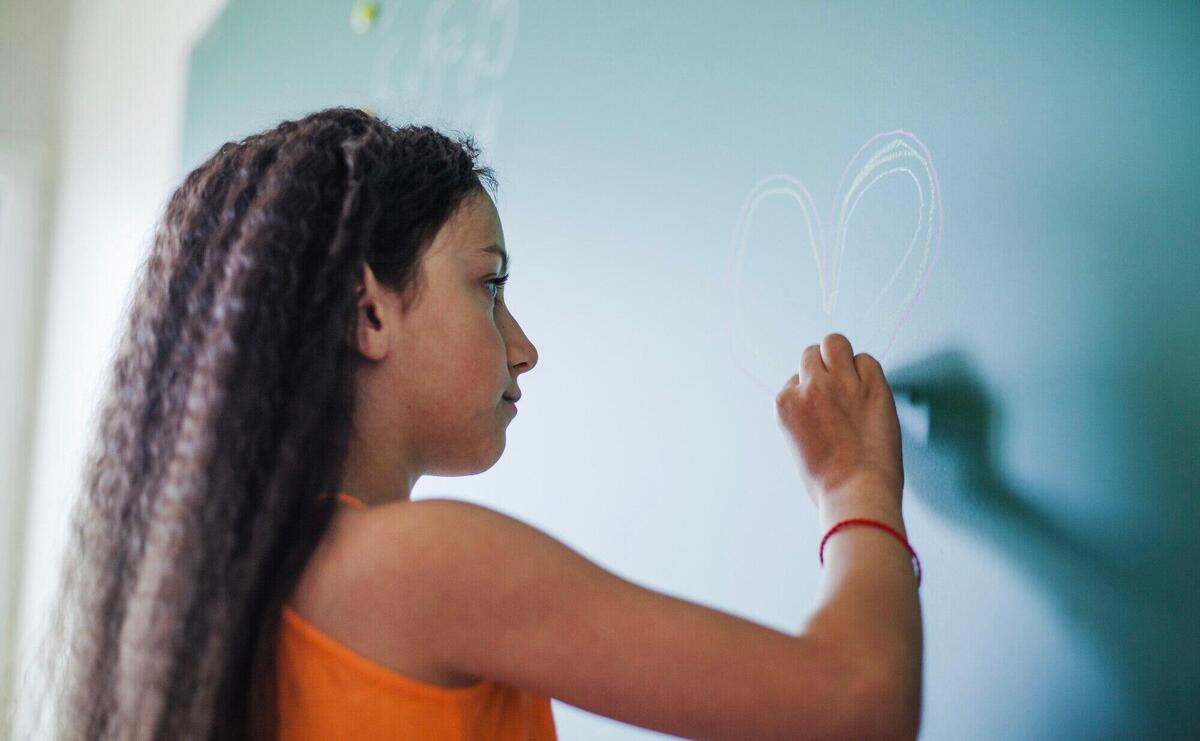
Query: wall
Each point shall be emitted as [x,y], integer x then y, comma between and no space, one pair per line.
[94,94]
[31,39]
[1025,271]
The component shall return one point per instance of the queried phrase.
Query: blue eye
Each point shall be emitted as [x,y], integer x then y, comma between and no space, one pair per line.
[498,283]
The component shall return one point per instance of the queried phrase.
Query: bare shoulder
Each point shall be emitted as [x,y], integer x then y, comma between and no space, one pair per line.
[424,552]
[353,591]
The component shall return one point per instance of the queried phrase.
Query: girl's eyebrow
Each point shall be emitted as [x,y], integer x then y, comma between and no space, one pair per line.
[498,250]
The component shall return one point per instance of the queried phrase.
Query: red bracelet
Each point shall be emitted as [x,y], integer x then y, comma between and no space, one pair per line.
[876,523]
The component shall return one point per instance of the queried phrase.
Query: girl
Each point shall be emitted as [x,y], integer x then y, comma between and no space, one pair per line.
[320,323]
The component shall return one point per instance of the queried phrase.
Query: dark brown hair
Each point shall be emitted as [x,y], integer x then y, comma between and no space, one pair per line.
[227,414]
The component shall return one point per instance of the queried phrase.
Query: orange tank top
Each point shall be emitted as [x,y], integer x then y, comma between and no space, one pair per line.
[326,690]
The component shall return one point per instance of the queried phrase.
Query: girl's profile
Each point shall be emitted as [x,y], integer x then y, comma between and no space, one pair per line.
[320,322]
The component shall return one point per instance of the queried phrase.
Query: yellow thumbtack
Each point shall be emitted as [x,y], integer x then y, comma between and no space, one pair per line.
[362,16]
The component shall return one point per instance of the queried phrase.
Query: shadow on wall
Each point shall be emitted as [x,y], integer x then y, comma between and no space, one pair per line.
[1137,605]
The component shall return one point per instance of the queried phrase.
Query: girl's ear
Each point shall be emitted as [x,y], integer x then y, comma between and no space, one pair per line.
[368,335]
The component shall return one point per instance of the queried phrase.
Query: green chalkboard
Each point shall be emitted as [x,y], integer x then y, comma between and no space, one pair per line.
[998,200]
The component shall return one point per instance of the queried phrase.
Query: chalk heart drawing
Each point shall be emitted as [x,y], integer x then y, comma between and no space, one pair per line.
[453,73]
[888,153]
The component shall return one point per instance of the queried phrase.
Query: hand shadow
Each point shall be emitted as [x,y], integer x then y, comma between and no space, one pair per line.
[1119,601]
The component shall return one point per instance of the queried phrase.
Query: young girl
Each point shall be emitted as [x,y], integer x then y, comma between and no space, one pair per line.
[320,323]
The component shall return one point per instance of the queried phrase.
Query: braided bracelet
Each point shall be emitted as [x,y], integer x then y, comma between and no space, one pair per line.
[876,523]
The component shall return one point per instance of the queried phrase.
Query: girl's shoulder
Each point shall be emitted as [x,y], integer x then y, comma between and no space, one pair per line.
[346,592]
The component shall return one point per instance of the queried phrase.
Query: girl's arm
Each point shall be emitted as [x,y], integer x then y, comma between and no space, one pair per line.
[500,599]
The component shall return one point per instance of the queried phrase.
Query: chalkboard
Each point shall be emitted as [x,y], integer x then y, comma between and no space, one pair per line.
[997,200]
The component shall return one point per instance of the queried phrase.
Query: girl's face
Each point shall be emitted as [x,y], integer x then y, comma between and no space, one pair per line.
[431,381]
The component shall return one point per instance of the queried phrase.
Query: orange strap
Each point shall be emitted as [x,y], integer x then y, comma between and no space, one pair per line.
[347,498]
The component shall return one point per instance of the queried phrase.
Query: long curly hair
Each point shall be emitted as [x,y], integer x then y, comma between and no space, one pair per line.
[227,415]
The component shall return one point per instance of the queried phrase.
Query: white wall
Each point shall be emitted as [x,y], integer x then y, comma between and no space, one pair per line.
[118,104]
[31,38]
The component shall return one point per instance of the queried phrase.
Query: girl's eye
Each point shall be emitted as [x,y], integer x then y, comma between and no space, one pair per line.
[498,283]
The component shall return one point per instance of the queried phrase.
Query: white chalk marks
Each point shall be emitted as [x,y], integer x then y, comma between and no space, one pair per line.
[888,153]
[451,75]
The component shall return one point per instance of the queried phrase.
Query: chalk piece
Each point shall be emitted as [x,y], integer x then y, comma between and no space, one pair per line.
[913,417]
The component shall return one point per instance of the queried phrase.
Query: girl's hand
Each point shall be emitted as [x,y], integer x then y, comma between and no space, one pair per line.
[841,419]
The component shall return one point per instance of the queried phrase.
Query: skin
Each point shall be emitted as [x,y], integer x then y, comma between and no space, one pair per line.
[430,381]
